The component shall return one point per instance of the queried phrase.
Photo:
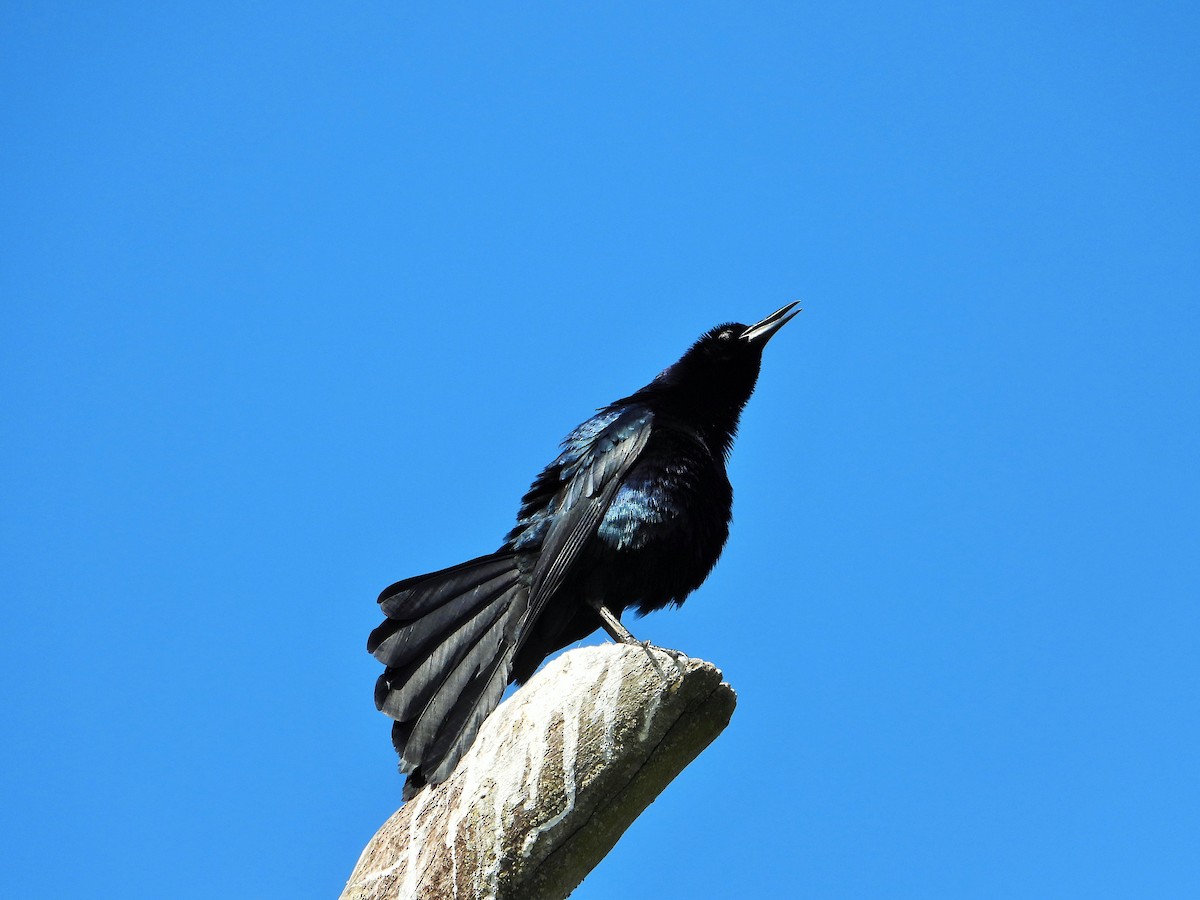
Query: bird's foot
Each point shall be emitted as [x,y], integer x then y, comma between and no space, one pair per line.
[674,655]
[622,635]
[677,657]
[650,648]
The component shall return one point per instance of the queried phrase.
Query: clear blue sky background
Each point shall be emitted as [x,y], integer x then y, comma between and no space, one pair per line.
[297,299]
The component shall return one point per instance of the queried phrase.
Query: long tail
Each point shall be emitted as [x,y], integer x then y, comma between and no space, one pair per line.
[448,644]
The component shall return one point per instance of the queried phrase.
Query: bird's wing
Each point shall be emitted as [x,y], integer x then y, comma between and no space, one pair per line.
[591,475]
[596,458]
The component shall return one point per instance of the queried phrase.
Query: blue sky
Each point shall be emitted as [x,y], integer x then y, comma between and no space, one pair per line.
[298,298]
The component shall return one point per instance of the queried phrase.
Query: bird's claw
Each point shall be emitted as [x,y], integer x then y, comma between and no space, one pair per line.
[621,634]
[674,656]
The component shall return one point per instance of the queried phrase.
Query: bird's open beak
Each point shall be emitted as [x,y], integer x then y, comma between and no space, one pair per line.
[760,332]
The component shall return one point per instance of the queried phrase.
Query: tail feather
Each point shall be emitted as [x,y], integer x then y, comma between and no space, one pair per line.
[410,687]
[460,730]
[414,597]
[450,707]
[397,641]
[448,642]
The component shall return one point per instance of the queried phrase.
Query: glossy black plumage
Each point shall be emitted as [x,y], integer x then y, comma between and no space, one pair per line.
[633,513]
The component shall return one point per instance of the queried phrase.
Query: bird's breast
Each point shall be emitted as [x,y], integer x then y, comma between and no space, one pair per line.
[667,523]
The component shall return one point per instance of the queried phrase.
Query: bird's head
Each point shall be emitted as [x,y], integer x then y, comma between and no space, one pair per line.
[716,376]
[726,359]
[733,346]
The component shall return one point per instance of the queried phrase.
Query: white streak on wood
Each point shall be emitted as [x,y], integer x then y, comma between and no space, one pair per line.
[555,776]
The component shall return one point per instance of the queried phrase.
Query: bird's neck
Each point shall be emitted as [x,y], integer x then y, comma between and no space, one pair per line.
[711,415]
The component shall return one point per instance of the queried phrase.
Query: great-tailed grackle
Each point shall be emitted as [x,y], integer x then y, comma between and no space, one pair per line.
[633,513]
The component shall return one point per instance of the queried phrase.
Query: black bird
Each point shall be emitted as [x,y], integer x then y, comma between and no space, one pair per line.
[633,513]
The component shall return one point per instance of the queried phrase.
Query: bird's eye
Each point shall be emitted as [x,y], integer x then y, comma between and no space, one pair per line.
[726,335]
